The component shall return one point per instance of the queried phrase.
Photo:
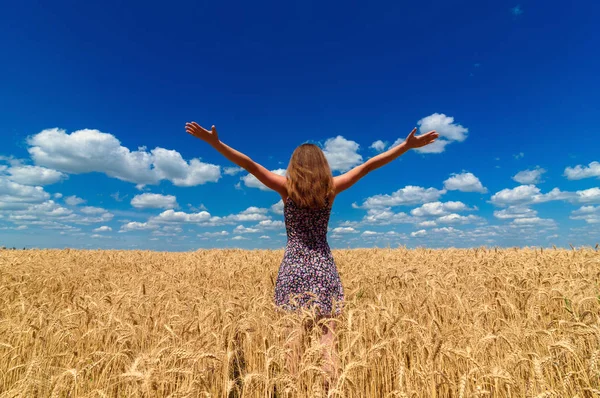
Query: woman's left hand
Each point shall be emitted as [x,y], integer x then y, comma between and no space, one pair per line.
[193,128]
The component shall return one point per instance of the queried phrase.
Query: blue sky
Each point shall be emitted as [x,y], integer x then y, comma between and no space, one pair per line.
[95,97]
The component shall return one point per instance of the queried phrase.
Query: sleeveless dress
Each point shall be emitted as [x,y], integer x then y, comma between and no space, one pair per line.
[308,275]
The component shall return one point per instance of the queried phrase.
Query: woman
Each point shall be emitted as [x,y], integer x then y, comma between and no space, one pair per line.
[307,275]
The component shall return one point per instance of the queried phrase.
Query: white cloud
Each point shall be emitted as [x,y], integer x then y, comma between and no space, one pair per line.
[154,201]
[519,155]
[231,171]
[530,194]
[446,128]
[409,195]
[341,153]
[271,224]
[534,221]
[240,229]
[42,211]
[529,176]
[428,223]
[578,172]
[87,151]
[35,175]
[14,196]
[370,233]
[438,209]
[515,212]
[252,213]
[239,237]
[265,237]
[519,195]
[458,219]
[589,214]
[252,182]
[447,230]
[137,226]
[57,195]
[591,195]
[464,182]
[378,145]
[171,216]
[344,230]
[444,125]
[418,233]
[214,234]
[385,216]
[73,200]
[277,208]
[103,228]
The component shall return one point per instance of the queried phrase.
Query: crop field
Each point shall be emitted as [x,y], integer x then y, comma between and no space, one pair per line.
[462,323]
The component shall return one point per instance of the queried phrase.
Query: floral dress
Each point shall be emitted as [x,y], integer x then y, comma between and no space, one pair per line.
[308,275]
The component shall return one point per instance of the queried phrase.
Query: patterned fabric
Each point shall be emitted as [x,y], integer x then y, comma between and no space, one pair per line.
[308,275]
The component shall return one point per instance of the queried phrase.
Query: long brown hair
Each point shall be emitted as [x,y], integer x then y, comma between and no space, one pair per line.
[309,179]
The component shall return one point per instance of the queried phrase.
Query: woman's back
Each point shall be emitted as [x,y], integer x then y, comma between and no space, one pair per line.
[308,275]
[306,227]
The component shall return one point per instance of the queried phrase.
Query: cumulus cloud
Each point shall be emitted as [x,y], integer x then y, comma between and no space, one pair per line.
[409,195]
[591,195]
[103,228]
[515,212]
[438,209]
[454,218]
[231,171]
[252,182]
[529,176]
[240,229]
[342,154]
[137,226]
[370,233]
[172,216]
[465,182]
[444,125]
[92,210]
[154,201]
[14,196]
[344,230]
[252,213]
[73,200]
[86,151]
[589,214]
[34,175]
[277,208]
[378,145]
[214,234]
[418,233]
[579,172]
[530,194]
[534,221]
[385,216]
[271,224]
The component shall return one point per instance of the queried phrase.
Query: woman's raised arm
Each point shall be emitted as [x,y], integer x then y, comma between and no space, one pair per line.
[350,178]
[270,179]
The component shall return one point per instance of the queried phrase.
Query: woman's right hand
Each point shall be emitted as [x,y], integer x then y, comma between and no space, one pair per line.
[413,141]
[193,128]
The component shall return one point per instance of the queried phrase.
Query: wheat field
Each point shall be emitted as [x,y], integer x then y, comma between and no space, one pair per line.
[462,323]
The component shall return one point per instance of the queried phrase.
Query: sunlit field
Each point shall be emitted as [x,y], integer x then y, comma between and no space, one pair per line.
[417,323]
